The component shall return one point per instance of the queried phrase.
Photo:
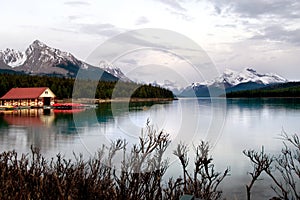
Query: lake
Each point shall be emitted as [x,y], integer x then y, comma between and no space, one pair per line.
[230,126]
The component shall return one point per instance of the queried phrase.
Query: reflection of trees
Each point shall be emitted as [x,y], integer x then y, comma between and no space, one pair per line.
[259,103]
[3,123]
[22,128]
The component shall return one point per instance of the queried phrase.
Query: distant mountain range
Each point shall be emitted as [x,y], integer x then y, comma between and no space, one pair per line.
[232,81]
[114,71]
[40,59]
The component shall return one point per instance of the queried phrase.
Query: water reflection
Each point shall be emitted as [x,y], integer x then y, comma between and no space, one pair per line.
[178,117]
[250,123]
[54,130]
[259,103]
[27,117]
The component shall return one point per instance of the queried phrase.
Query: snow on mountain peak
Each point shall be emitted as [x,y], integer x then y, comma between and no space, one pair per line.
[110,68]
[37,43]
[12,58]
[250,70]
[41,59]
[251,75]
[232,78]
[228,71]
[39,51]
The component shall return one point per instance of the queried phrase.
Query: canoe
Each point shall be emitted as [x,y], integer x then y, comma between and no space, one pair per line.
[68,106]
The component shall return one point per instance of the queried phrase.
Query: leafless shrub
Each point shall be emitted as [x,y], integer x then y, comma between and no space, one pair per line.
[140,175]
[32,177]
[261,162]
[287,185]
[143,169]
[283,169]
[204,181]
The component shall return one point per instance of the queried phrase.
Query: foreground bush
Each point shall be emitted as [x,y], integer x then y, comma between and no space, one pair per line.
[140,177]
[283,169]
[141,171]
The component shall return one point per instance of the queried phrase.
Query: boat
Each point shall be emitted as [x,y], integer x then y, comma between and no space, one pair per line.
[71,111]
[8,107]
[68,106]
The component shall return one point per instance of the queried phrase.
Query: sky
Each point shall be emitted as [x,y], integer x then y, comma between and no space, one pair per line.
[235,34]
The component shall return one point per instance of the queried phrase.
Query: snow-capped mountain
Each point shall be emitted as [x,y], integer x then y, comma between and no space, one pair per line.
[110,68]
[170,85]
[232,80]
[12,58]
[40,59]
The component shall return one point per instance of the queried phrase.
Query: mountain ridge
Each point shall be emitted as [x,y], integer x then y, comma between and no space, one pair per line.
[231,80]
[40,59]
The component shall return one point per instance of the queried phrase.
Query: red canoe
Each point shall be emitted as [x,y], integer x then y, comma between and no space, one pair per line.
[68,106]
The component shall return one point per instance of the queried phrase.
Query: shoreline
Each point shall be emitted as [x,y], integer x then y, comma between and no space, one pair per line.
[99,101]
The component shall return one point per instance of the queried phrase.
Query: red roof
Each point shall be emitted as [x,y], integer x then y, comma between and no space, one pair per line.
[24,93]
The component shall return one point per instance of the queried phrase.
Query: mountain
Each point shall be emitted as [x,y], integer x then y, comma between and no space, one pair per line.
[113,70]
[40,59]
[231,80]
[11,58]
[170,85]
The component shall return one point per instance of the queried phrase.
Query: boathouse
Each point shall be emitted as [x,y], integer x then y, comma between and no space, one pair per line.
[33,97]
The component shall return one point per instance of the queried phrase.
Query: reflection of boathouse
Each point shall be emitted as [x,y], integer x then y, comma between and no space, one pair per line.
[27,117]
[35,97]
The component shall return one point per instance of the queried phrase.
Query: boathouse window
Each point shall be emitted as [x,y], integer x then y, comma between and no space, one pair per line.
[46,92]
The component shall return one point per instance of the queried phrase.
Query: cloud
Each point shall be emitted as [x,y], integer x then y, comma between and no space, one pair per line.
[226,26]
[175,7]
[218,9]
[77,3]
[258,8]
[286,9]
[182,15]
[130,61]
[62,30]
[142,20]
[280,34]
[265,20]
[74,17]
[174,4]
[99,29]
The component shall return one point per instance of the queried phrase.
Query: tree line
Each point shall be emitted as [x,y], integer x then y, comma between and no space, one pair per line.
[291,89]
[63,87]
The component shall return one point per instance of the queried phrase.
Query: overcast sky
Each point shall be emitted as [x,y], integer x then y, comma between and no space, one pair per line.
[261,34]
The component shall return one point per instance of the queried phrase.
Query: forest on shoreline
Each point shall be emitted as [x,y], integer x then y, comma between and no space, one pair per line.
[290,89]
[63,87]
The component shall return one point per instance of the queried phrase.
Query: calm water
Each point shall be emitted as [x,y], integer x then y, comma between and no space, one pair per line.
[231,126]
